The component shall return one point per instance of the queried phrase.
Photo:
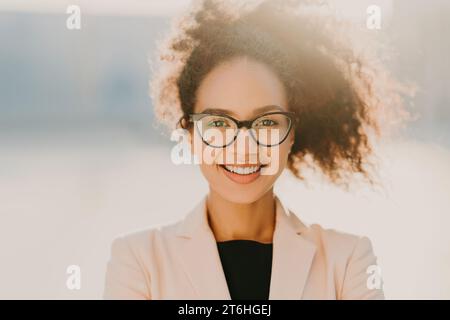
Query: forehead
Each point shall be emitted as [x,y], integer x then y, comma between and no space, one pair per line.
[240,86]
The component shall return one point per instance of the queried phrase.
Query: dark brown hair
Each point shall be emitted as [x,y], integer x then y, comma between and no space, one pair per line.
[338,95]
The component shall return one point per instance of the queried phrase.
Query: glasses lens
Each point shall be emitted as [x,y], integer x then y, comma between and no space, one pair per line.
[271,129]
[216,131]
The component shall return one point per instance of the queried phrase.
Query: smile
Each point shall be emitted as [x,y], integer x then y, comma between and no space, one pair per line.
[242,170]
[242,174]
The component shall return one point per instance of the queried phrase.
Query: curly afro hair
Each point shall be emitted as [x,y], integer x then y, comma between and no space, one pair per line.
[340,96]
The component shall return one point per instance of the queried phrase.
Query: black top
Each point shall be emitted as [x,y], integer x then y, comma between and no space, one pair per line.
[247,265]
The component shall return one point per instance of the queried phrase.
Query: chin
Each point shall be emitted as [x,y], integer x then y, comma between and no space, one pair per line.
[245,197]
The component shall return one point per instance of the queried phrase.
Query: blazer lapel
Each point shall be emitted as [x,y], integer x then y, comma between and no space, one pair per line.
[291,262]
[199,253]
[292,256]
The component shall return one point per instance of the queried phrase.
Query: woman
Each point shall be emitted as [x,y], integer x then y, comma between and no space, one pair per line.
[260,89]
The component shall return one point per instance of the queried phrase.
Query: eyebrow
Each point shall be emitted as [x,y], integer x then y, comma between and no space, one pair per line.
[257,111]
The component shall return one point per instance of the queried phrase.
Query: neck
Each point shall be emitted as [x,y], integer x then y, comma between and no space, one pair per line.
[242,221]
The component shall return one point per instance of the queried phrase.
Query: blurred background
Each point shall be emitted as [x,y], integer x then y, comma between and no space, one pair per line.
[82,159]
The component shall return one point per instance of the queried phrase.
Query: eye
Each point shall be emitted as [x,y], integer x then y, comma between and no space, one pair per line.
[266,123]
[218,123]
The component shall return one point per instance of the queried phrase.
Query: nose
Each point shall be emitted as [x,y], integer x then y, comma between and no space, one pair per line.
[244,149]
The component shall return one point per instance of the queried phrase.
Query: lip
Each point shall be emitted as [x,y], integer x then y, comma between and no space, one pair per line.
[241,178]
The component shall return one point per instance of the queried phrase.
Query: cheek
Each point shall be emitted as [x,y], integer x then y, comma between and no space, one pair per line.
[206,155]
[275,158]
[210,158]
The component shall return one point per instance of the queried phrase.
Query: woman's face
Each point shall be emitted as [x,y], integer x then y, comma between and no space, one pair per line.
[243,171]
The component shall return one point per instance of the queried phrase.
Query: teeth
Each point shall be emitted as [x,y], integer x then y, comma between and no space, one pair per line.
[242,170]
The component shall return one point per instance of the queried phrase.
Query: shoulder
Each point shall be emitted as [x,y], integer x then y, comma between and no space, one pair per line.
[132,262]
[143,241]
[331,241]
[352,260]
[346,242]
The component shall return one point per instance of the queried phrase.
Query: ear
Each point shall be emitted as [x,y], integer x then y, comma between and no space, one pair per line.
[190,139]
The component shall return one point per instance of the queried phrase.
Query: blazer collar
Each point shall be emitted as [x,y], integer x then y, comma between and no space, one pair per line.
[291,261]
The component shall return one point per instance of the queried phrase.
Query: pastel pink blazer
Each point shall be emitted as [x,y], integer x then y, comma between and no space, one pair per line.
[181,261]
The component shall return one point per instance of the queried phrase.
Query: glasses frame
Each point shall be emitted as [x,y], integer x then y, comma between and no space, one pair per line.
[193,117]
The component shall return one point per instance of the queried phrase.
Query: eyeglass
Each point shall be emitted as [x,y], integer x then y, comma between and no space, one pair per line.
[269,129]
